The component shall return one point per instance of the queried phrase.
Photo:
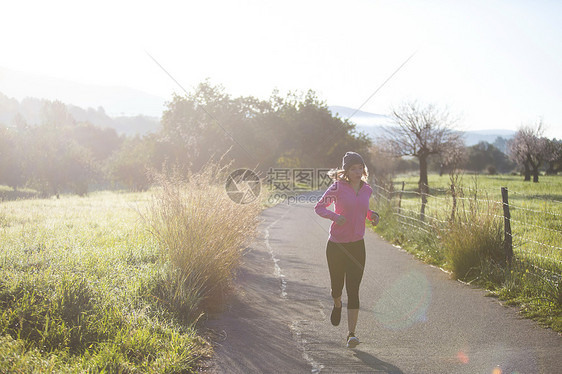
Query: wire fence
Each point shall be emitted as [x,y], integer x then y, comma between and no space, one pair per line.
[532,225]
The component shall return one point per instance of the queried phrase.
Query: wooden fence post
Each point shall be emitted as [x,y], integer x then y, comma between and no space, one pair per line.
[400,199]
[508,242]
[453,193]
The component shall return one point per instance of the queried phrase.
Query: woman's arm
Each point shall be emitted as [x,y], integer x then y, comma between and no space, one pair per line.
[327,199]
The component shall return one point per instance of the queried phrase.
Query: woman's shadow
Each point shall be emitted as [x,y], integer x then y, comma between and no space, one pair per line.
[376,364]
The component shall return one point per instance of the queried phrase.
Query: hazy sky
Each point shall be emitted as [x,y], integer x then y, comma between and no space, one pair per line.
[496,64]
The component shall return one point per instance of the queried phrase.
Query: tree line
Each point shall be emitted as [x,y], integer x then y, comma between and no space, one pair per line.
[34,111]
[427,134]
[60,153]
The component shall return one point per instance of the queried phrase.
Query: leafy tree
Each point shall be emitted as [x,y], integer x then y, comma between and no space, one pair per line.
[130,164]
[8,108]
[501,144]
[79,166]
[209,123]
[55,113]
[11,168]
[55,161]
[310,133]
[484,155]
[553,152]
[292,131]
[199,126]
[101,142]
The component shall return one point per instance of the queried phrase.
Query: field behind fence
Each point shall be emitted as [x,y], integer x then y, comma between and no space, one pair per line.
[533,212]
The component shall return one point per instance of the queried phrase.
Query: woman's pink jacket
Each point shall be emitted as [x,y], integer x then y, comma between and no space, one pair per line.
[353,206]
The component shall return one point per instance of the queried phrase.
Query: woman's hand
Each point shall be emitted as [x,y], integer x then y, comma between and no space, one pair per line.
[375,218]
[340,220]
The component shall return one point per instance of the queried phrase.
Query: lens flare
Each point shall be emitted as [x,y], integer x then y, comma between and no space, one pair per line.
[497,370]
[462,357]
[405,302]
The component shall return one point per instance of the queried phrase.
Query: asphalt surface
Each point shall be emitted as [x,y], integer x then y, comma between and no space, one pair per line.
[413,317]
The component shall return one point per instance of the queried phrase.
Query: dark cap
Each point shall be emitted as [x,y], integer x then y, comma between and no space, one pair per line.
[352,158]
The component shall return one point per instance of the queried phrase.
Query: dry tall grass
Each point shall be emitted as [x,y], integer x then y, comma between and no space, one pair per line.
[202,234]
[473,239]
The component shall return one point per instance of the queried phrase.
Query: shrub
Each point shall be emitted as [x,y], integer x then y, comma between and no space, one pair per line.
[201,233]
[471,241]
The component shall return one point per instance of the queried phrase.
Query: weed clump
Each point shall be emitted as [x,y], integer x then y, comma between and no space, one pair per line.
[470,243]
[201,234]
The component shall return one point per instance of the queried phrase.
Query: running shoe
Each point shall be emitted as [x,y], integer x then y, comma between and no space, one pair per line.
[352,341]
[336,315]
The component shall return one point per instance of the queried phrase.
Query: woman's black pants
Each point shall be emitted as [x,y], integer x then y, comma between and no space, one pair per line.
[346,262]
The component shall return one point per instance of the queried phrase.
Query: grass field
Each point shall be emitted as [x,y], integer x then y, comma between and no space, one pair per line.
[79,281]
[470,242]
[535,208]
[116,282]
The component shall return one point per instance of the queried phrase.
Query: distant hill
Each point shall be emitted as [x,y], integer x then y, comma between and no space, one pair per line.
[360,118]
[490,136]
[470,137]
[346,112]
[372,124]
[117,101]
[33,112]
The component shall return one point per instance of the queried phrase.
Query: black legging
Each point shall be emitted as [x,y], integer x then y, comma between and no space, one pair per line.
[346,261]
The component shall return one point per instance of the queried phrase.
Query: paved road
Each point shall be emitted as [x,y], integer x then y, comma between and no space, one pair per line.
[413,317]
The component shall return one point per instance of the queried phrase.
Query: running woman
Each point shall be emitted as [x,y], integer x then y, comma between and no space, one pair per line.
[345,250]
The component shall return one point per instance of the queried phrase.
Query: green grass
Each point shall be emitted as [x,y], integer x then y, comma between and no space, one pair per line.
[469,243]
[8,193]
[79,284]
[536,208]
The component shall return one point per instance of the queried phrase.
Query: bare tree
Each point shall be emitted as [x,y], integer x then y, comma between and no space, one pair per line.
[422,131]
[528,149]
